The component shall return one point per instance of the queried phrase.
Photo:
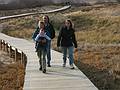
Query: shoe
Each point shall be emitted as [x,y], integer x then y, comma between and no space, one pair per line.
[64,65]
[40,68]
[44,71]
[49,65]
[71,66]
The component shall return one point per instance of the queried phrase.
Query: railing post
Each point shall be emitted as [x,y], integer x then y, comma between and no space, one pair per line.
[15,54]
[25,60]
[0,44]
[3,45]
[10,51]
[22,57]
[6,47]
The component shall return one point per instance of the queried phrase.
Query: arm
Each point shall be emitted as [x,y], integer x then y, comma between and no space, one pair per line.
[37,37]
[74,40]
[59,38]
[35,33]
[52,31]
[48,38]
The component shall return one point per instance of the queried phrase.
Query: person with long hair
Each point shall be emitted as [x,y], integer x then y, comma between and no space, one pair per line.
[66,39]
[49,29]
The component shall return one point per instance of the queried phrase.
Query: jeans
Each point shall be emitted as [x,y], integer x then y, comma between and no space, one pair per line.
[41,53]
[70,53]
[49,52]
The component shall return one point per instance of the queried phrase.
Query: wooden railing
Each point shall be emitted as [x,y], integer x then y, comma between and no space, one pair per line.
[13,52]
[34,13]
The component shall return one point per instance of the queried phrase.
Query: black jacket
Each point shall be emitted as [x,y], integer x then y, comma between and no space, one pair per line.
[66,38]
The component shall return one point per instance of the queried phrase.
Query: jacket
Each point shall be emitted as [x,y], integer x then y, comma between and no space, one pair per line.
[66,37]
[50,32]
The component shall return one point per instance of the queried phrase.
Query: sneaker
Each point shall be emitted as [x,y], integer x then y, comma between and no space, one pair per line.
[44,71]
[49,65]
[64,65]
[40,68]
[72,67]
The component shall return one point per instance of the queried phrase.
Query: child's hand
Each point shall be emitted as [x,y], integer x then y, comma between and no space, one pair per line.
[44,41]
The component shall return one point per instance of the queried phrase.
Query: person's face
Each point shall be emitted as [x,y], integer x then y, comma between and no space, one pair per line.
[42,26]
[67,23]
[45,19]
[42,31]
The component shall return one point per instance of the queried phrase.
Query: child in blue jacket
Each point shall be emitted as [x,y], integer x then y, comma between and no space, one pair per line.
[41,46]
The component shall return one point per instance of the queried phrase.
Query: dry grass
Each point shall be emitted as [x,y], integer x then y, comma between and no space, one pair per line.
[101,64]
[97,25]
[11,73]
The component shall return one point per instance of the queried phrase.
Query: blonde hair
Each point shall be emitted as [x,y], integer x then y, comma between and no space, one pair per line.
[40,22]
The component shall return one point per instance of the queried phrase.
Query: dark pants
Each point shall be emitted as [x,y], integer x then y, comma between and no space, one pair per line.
[42,57]
[49,52]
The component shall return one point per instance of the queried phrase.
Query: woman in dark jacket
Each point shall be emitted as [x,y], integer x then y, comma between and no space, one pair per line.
[49,32]
[67,40]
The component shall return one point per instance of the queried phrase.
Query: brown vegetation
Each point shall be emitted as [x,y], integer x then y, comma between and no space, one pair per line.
[98,36]
[102,65]
[11,73]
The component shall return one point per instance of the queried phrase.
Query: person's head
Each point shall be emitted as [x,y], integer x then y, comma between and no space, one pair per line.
[46,19]
[42,32]
[42,28]
[68,23]
[41,25]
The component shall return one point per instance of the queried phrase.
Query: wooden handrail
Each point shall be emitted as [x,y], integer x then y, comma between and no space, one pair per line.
[13,52]
[34,13]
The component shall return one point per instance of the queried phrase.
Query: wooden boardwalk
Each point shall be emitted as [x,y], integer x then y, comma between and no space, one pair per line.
[56,78]
[34,13]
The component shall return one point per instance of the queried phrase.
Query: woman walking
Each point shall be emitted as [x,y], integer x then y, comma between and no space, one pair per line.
[66,39]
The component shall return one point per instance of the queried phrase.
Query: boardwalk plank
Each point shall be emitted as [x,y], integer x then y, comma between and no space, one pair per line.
[56,78]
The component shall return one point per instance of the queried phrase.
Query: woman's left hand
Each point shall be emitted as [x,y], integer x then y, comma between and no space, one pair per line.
[76,49]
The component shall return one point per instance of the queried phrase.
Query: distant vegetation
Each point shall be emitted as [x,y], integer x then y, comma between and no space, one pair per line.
[98,35]
[13,4]
[93,25]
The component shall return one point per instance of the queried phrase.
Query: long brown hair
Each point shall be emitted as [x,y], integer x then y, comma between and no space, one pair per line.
[71,24]
[46,16]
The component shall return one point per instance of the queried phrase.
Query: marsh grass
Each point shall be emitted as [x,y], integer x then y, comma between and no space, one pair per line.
[95,26]
[11,73]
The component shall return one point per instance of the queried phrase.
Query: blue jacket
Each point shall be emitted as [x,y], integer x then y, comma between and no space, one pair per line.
[50,32]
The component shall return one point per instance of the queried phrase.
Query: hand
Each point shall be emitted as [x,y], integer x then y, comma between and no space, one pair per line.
[76,49]
[76,55]
[44,41]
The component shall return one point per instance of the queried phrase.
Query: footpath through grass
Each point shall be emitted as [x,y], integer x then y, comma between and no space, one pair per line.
[98,35]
